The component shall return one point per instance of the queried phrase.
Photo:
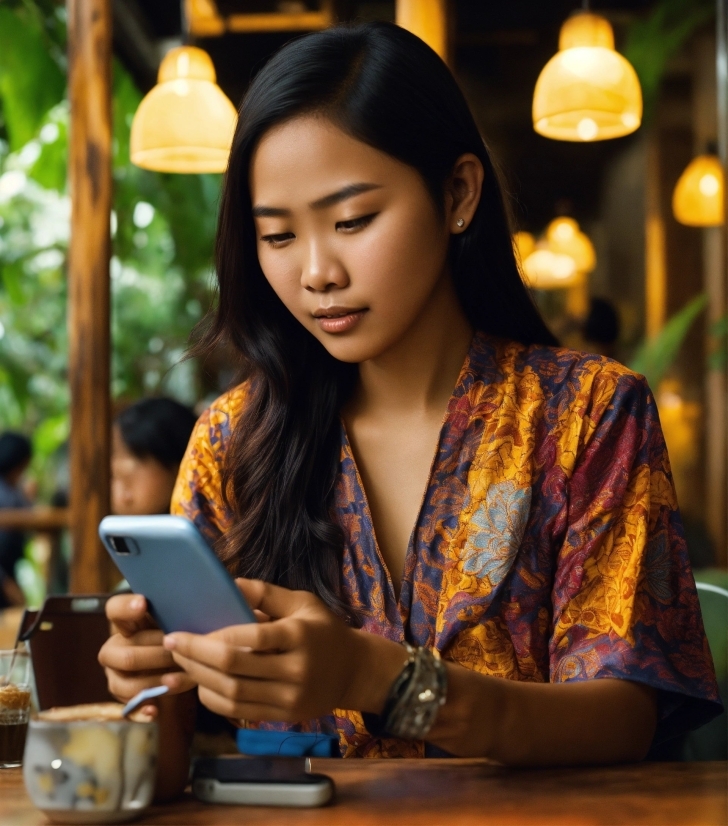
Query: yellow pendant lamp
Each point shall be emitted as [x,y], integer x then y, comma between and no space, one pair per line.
[186,122]
[698,196]
[564,236]
[587,91]
[548,270]
[561,259]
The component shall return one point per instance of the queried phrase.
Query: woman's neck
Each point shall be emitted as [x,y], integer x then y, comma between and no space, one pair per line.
[419,372]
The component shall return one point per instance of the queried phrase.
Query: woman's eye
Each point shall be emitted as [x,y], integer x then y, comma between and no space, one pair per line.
[278,239]
[355,224]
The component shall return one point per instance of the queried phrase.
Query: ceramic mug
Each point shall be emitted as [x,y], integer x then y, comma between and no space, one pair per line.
[86,764]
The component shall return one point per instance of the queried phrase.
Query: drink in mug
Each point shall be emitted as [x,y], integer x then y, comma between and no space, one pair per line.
[89,764]
[14,706]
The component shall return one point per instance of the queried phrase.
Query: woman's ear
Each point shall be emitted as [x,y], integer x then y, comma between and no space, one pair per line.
[463,192]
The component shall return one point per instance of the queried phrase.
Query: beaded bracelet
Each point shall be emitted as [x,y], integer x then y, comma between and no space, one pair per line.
[414,699]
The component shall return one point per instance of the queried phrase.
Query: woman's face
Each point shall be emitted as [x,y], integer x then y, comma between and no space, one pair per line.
[348,237]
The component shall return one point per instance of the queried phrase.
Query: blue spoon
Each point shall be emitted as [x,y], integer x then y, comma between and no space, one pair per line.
[143,697]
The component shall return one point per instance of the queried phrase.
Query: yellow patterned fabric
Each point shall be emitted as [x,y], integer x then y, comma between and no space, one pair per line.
[549,546]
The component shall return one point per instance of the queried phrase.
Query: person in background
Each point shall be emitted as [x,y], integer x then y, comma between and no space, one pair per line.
[15,456]
[148,442]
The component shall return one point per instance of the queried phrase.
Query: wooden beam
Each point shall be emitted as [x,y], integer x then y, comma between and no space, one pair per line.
[89,82]
[39,519]
[204,20]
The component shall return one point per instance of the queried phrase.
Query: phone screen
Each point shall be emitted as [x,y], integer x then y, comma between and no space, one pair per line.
[255,770]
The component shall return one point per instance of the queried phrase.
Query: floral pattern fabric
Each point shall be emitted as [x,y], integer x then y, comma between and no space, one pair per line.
[549,545]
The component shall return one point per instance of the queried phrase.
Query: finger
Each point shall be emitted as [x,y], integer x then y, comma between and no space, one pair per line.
[245,711]
[124,686]
[178,682]
[150,711]
[128,613]
[135,658]
[252,665]
[230,682]
[223,649]
[271,599]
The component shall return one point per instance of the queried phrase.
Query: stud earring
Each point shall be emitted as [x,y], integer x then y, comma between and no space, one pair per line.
[460,222]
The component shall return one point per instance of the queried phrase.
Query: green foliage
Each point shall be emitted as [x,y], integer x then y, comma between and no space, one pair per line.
[30,80]
[651,42]
[718,333]
[162,234]
[655,356]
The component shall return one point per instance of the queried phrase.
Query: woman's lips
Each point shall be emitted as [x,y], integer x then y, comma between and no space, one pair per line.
[338,320]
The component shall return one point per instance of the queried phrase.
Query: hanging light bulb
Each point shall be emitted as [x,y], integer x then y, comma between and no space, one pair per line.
[186,122]
[698,196]
[565,237]
[587,91]
[548,270]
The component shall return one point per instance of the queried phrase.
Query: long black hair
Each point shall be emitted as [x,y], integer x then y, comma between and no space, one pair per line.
[385,87]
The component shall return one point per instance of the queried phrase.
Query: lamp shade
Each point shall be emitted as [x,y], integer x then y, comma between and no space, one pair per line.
[698,196]
[186,122]
[548,270]
[565,237]
[587,91]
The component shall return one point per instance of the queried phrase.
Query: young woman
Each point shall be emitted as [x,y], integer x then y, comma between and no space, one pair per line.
[412,459]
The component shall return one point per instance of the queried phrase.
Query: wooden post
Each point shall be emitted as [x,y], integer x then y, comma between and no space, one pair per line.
[89,81]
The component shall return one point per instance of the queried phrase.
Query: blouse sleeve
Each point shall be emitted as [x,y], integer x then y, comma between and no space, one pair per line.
[198,489]
[624,599]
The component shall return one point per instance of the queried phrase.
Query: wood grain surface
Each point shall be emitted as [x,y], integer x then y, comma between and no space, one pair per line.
[89,85]
[462,792]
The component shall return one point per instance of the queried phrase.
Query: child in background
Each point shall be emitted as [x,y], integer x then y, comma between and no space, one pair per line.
[148,443]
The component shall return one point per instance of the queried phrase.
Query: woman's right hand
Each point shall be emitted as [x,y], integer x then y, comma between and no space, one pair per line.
[133,656]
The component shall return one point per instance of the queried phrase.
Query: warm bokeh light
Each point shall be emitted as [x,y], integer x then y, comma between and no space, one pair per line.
[547,270]
[562,258]
[186,122]
[427,19]
[587,91]
[524,244]
[698,197]
[565,237]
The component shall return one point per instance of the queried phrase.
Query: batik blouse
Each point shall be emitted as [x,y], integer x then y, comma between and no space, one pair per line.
[549,545]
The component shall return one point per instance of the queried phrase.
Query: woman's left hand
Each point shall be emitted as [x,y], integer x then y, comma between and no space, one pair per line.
[299,665]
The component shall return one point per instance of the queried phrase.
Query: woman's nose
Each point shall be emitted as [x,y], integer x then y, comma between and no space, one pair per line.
[322,270]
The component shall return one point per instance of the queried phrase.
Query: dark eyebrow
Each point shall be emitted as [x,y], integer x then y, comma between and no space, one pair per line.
[348,191]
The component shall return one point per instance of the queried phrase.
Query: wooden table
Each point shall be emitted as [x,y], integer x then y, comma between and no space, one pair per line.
[462,792]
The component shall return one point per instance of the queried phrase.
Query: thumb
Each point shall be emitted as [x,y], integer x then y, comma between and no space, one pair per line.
[269,599]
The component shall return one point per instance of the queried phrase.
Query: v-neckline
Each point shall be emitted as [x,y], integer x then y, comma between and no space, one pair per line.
[405,585]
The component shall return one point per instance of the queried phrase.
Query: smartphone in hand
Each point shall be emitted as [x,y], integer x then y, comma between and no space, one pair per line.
[167,559]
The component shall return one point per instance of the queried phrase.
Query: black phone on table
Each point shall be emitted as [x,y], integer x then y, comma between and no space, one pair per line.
[258,781]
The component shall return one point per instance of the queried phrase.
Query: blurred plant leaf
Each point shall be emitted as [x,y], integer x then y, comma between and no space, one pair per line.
[655,356]
[652,41]
[30,80]
[718,332]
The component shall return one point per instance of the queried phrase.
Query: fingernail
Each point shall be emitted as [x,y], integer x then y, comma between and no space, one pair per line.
[170,680]
[137,603]
[169,642]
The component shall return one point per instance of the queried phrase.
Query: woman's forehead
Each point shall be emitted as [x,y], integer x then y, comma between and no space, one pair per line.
[308,157]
